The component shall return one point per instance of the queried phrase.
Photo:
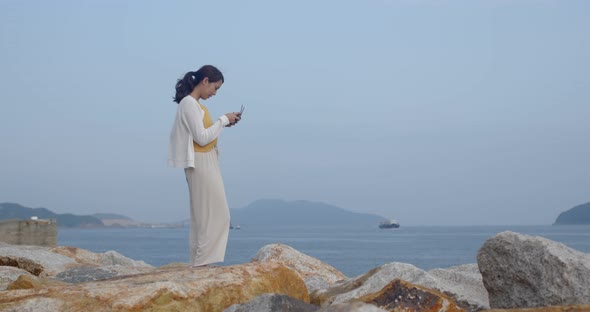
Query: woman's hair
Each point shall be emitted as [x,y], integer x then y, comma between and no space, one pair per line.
[191,79]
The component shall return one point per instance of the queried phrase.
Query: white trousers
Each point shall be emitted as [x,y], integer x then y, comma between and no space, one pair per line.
[209,211]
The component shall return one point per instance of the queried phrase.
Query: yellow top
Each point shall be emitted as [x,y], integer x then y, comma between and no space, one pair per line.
[207,122]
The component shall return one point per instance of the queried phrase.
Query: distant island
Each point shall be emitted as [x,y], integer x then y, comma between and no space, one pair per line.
[16,211]
[577,215]
[68,220]
[300,212]
[263,212]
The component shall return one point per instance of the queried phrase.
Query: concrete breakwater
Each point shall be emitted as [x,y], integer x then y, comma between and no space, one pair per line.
[29,232]
[514,271]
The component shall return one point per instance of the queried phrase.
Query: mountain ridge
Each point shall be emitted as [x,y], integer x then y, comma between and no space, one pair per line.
[579,214]
[17,211]
[299,212]
[259,212]
[106,216]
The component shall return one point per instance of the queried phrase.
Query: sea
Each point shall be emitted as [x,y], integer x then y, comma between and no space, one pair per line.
[353,250]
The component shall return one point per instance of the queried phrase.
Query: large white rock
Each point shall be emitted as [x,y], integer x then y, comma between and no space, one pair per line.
[112,257]
[49,262]
[383,276]
[37,260]
[463,283]
[522,271]
[314,272]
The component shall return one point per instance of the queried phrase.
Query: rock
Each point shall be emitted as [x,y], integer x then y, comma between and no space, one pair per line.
[271,303]
[37,260]
[521,271]
[402,296]
[314,272]
[84,274]
[462,283]
[120,270]
[92,273]
[32,282]
[171,289]
[37,305]
[114,258]
[370,282]
[49,262]
[570,308]
[174,265]
[9,274]
[351,307]
[88,258]
[316,282]
[79,255]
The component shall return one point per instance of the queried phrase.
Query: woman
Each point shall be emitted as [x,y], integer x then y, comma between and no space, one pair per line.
[193,146]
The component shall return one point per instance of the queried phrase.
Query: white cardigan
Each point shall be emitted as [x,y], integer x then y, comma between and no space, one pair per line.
[188,127]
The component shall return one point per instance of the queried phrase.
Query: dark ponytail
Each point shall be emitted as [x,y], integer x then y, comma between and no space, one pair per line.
[187,84]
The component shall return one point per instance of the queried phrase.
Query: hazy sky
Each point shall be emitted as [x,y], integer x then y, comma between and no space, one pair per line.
[429,112]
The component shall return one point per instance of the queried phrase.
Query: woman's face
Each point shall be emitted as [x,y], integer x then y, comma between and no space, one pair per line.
[210,88]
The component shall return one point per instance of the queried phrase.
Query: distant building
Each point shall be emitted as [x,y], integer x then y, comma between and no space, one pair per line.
[29,232]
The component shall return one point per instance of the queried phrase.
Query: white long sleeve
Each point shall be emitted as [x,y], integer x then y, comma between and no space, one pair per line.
[192,117]
[188,127]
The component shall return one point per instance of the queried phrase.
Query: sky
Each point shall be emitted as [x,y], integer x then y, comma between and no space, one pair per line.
[428,112]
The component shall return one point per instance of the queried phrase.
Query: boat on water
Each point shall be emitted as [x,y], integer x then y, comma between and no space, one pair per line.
[390,224]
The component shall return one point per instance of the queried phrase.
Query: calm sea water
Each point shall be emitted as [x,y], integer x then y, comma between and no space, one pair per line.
[352,250]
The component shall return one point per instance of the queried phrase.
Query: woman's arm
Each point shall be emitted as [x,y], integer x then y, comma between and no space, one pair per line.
[192,117]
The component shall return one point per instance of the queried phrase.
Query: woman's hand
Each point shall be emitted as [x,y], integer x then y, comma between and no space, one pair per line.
[233,118]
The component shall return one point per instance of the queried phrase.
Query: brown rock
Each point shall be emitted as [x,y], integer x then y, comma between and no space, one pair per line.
[569,308]
[9,274]
[173,265]
[401,296]
[23,264]
[172,289]
[32,282]
[314,272]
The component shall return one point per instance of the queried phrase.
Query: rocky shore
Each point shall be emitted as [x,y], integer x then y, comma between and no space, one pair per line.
[514,272]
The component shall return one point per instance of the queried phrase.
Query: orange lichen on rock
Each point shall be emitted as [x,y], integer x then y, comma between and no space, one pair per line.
[171,289]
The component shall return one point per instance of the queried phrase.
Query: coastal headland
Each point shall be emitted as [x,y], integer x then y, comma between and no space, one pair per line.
[514,272]
[259,212]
